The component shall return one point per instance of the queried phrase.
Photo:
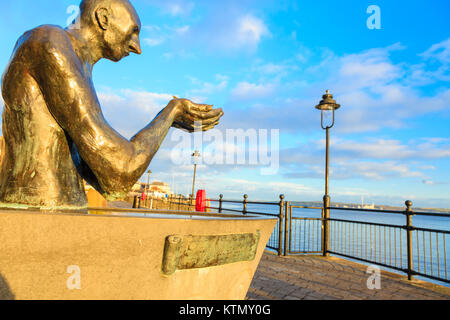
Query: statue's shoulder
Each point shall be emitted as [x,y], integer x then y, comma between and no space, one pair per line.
[47,38]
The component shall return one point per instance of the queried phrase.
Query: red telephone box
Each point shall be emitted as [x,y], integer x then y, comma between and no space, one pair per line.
[200,201]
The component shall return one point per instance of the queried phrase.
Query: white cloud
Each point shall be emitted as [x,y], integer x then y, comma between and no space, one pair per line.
[156,35]
[129,111]
[174,7]
[439,51]
[207,88]
[435,67]
[228,30]
[250,30]
[246,91]
[182,30]
[153,42]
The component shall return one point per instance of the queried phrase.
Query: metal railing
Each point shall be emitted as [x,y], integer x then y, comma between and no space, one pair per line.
[403,247]
[304,235]
[275,240]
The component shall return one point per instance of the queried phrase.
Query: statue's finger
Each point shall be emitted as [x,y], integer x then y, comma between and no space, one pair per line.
[209,121]
[202,107]
[209,127]
[207,115]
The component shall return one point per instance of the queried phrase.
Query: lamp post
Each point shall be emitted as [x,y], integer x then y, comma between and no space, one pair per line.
[195,157]
[147,186]
[326,105]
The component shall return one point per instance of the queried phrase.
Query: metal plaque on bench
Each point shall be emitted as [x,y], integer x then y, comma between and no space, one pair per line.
[202,251]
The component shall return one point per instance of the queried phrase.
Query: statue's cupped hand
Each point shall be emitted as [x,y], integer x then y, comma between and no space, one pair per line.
[192,116]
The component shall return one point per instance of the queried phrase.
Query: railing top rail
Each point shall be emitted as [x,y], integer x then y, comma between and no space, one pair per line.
[433,214]
[248,202]
[419,213]
[248,212]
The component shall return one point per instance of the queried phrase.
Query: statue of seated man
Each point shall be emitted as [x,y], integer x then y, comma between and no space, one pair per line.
[55,134]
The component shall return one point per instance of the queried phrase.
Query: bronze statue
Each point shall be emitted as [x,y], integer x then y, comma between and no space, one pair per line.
[54,130]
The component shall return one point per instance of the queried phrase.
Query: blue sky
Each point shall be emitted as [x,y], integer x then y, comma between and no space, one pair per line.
[267,64]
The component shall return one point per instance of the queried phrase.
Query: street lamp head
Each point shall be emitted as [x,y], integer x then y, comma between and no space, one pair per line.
[328,103]
[196,154]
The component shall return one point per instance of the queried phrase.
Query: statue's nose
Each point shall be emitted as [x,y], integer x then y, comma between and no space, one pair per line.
[135,46]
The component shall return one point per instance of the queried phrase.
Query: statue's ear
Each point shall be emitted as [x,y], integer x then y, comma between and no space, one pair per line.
[102,16]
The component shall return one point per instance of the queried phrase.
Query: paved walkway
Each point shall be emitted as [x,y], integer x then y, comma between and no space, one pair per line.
[318,278]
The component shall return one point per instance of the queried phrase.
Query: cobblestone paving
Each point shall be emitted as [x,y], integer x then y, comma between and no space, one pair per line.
[318,278]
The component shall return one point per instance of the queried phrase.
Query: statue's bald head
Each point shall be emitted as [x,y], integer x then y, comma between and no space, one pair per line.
[116,23]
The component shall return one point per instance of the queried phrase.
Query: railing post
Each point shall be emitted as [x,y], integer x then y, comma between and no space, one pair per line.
[325,225]
[280,228]
[409,213]
[220,203]
[244,211]
[286,228]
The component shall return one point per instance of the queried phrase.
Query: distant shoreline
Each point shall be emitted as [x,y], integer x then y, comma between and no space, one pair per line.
[375,207]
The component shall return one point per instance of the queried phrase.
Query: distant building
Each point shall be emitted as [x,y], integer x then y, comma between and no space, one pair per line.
[156,189]
[160,187]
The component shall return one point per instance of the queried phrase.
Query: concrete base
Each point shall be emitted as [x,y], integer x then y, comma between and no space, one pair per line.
[84,256]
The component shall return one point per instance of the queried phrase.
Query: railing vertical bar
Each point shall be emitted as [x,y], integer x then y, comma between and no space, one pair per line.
[353,244]
[437,252]
[317,235]
[290,228]
[379,243]
[347,225]
[418,253]
[401,250]
[431,256]
[390,247]
[358,241]
[286,227]
[365,242]
[385,255]
[304,235]
[318,224]
[371,243]
[313,242]
[445,256]
[361,242]
[375,244]
[345,237]
[349,238]
[395,246]
[424,253]
[309,235]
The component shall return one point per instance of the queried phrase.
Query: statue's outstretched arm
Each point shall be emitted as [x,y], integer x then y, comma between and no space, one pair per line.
[116,162]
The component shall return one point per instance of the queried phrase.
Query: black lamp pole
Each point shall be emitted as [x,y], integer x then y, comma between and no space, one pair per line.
[195,156]
[326,105]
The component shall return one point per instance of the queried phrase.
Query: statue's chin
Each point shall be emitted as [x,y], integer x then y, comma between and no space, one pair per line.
[116,57]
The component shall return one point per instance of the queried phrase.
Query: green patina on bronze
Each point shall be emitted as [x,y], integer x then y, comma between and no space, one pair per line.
[199,251]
